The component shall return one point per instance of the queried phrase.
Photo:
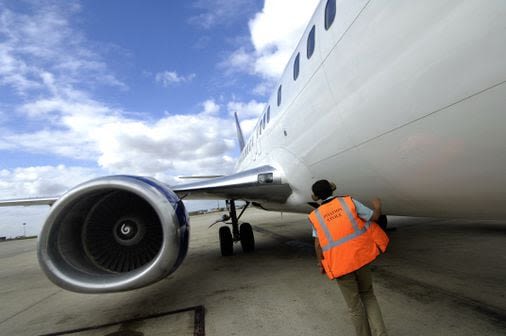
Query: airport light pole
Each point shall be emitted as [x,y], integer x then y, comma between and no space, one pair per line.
[24,229]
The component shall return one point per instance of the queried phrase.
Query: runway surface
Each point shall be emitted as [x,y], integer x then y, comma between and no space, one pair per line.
[439,277]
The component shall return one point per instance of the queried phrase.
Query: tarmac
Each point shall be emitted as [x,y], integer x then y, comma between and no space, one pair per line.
[438,277]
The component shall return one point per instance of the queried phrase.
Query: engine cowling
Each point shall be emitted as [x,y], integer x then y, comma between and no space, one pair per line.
[114,234]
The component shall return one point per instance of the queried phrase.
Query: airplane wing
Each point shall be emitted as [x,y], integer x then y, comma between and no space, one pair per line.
[28,201]
[261,183]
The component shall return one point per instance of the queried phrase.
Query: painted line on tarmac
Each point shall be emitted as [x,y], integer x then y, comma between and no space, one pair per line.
[30,306]
[199,322]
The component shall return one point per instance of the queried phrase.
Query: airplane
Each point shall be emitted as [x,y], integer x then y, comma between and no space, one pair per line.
[403,100]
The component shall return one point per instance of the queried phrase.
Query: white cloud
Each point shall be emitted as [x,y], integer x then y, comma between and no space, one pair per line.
[251,109]
[240,60]
[42,180]
[210,107]
[52,63]
[264,88]
[247,113]
[92,131]
[168,78]
[69,127]
[178,143]
[43,44]
[274,34]
[62,143]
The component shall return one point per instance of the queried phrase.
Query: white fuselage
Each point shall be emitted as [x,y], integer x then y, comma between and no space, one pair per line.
[402,100]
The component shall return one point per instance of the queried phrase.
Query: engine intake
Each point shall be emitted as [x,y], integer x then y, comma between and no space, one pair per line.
[114,234]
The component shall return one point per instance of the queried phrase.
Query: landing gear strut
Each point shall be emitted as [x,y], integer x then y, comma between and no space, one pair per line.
[242,233]
[383,222]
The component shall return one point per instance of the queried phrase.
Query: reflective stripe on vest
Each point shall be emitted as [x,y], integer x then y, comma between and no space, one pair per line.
[333,243]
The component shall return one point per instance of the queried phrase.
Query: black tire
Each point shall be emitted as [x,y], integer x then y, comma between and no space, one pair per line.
[226,241]
[382,222]
[247,238]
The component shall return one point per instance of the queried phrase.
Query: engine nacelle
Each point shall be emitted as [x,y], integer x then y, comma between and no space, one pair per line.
[113,234]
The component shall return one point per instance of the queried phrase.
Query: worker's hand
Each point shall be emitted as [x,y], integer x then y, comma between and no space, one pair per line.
[376,203]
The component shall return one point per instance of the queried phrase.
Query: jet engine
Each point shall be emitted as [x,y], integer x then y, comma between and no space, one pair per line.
[114,234]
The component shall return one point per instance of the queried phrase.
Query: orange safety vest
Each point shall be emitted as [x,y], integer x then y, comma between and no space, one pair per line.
[347,241]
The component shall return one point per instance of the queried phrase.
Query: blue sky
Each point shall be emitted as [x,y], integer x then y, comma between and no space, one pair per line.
[92,88]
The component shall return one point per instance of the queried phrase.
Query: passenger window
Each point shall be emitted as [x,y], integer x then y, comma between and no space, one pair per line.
[268,114]
[330,13]
[296,67]
[310,43]
[279,95]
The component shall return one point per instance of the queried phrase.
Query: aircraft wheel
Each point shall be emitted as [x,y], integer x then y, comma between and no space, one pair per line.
[247,238]
[382,222]
[226,242]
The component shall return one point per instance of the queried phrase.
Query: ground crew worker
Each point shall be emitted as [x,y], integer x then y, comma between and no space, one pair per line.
[346,242]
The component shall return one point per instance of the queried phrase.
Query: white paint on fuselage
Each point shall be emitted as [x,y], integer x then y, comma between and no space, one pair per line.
[402,101]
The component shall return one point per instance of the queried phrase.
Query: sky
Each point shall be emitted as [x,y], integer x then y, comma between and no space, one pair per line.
[93,88]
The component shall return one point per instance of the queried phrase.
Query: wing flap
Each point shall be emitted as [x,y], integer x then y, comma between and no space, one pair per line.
[28,201]
[262,183]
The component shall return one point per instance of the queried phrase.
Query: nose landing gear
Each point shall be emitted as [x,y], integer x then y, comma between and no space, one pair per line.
[242,233]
